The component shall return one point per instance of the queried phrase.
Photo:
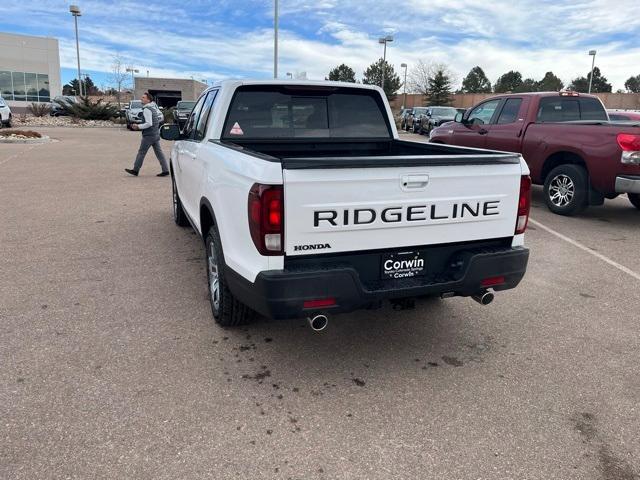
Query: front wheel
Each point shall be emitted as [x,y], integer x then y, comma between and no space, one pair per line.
[566,189]
[227,310]
[178,211]
[634,198]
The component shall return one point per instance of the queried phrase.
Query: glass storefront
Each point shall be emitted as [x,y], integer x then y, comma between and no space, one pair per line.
[24,86]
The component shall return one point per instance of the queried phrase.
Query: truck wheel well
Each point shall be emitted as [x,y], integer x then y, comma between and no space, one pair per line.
[560,158]
[206,220]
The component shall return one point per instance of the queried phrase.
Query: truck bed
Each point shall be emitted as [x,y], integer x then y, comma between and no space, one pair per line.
[308,154]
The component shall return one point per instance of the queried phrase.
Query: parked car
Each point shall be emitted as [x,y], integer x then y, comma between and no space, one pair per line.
[56,104]
[404,113]
[414,119]
[181,112]
[5,114]
[461,110]
[278,202]
[571,147]
[133,113]
[623,115]
[436,116]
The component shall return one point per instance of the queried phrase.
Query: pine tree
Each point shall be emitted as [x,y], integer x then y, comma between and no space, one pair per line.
[342,73]
[373,76]
[476,82]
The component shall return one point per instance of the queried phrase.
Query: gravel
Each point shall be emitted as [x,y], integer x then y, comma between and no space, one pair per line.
[49,121]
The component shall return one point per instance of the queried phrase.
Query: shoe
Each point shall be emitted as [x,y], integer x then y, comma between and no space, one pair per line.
[131,172]
[163,174]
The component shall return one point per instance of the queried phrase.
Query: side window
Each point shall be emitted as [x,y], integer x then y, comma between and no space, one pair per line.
[591,109]
[509,113]
[190,126]
[203,119]
[558,109]
[482,114]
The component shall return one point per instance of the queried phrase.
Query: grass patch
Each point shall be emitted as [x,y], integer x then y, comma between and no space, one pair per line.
[22,133]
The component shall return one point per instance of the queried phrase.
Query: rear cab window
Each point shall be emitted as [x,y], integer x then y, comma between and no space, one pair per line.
[567,109]
[283,112]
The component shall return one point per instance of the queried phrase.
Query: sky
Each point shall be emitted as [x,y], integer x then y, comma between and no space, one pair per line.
[213,40]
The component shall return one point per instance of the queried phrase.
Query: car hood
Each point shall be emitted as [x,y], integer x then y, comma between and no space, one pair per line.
[443,118]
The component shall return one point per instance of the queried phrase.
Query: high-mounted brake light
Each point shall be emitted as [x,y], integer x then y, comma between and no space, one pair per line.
[569,94]
[266,218]
[630,145]
[524,204]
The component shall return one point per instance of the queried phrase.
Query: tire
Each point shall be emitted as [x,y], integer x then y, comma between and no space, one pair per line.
[566,189]
[178,211]
[413,128]
[634,198]
[227,310]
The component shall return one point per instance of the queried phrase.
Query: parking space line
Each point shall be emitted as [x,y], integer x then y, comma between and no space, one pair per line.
[622,268]
[15,155]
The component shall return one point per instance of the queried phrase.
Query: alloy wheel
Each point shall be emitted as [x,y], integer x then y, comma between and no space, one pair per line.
[561,190]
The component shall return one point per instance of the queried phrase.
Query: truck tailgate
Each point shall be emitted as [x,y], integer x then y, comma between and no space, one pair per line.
[331,210]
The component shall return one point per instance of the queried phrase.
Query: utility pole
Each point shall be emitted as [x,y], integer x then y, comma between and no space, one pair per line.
[275,39]
[75,11]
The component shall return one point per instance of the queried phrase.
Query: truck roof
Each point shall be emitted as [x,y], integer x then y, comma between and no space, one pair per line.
[545,94]
[234,83]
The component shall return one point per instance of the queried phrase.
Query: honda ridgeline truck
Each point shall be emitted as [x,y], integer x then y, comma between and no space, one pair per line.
[308,204]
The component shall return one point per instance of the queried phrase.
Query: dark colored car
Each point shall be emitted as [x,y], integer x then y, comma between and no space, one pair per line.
[56,108]
[566,138]
[623,115]
[414,118]
[181,112]
[436,116]
[404,113]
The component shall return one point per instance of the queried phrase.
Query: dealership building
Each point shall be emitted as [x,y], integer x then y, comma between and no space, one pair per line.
[29,69]
[168,91]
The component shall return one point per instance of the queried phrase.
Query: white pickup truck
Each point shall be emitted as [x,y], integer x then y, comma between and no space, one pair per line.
[309,204]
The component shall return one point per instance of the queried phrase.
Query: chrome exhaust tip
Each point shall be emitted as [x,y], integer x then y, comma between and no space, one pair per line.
[318,323]
[483,298]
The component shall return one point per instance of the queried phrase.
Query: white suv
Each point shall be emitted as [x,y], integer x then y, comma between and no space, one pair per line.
[5,113]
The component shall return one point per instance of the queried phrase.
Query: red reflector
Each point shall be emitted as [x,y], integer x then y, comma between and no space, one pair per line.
[492,281]
[322,302]
[524,204]
[629,142]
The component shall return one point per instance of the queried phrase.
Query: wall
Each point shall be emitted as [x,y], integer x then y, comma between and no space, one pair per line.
[26,53]
[628,101]
[190,89]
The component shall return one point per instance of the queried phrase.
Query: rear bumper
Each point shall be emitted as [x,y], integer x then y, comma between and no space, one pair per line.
[628,184]
[281,293]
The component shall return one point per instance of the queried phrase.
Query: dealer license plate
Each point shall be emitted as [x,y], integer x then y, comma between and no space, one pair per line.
[402,265]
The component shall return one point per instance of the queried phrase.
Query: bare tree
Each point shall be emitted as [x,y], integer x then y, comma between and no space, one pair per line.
[423,74]
[118,76]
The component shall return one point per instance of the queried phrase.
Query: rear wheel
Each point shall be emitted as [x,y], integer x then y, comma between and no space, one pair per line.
[566,189]
[178,211]
[227,310]
[634,198]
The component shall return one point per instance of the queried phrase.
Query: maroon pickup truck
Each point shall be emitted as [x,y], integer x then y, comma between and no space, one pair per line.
[571,146]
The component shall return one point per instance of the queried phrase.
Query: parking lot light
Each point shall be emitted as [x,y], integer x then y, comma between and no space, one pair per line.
[75,11]
[593,64]
[384,41]
[404,85]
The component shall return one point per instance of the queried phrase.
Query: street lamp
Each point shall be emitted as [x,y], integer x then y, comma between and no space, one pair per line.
[133,80]
[384,41]
[593,63]
[75,11]
[275,39]
[404,85]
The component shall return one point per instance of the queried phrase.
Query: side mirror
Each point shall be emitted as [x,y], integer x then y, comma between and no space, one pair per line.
[170,131]
[458,117]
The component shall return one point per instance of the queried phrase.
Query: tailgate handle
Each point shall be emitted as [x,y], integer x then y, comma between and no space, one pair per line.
[414,181]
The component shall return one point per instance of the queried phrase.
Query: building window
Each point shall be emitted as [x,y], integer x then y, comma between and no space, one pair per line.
[6,87]
[25,86]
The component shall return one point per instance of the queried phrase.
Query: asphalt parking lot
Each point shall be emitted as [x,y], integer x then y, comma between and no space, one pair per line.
[112,366]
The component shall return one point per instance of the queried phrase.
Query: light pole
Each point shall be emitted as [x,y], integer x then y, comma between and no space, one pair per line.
[133,79]
[75,11]
[404,85]
[384,41]
[593,64]
[275,39]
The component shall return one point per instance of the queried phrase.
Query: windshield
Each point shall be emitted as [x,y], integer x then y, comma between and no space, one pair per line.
[136,104]
[419,111]
[276,111]
[444,111]
[185,105]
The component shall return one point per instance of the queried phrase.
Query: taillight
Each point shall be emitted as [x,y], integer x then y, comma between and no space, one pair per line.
[630,145]
[524,204]
[266,218]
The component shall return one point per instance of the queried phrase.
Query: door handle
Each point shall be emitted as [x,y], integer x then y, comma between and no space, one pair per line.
[412,182]
[482,131]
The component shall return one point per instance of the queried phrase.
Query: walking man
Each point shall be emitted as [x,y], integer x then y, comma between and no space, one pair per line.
[150,136]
